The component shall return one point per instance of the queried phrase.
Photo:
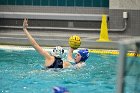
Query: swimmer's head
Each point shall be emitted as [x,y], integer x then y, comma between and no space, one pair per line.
[58,52]
[60,90]
[84,54]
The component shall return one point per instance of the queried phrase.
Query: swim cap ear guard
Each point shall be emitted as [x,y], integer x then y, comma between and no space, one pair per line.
[58,52]
[84,54]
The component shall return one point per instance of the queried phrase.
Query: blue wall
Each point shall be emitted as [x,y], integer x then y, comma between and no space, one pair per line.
[78,3]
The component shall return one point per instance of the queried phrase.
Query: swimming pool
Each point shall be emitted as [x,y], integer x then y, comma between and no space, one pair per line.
[21,72]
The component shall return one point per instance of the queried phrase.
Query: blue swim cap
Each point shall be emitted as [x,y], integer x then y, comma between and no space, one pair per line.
[60,90]
[84,53]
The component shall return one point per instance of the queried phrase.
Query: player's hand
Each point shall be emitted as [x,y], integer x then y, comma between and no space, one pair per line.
[25,23]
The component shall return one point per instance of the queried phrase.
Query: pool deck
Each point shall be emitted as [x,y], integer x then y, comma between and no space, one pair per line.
[54,38]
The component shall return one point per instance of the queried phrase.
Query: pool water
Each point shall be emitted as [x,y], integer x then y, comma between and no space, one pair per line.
[21,72]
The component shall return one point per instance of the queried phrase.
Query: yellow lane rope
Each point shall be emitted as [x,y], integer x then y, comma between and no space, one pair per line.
[113,52]
[97,51]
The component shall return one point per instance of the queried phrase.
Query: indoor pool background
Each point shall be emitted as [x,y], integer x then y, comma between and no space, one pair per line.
[21,72]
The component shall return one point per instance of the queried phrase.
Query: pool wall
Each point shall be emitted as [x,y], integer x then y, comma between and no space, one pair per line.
[53,37]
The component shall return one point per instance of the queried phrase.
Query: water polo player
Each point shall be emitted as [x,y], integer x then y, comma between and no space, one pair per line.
[54,60]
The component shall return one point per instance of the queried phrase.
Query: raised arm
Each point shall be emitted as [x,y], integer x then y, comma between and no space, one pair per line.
[70,52]
[32,40]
